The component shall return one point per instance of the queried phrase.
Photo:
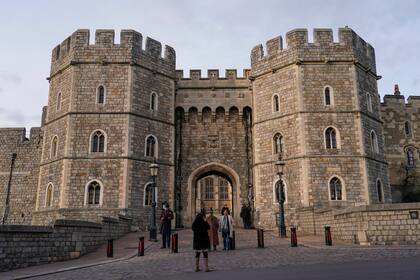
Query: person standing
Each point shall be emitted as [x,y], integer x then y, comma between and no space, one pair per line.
[201,241]
[166,225]
[226,227]
[225,207]
[214,229]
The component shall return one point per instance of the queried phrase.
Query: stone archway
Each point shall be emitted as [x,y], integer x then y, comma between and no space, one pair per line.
[213,168]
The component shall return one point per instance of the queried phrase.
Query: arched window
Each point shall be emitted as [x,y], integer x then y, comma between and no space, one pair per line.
[276,191]
[336,189]
[209,190]
[98,142]
[374,142]
[379,191]
[410,157]
[328,98]
[93,193]
[369,102]
[278,143]
[153,101]
[100,99]
[330,138]
[58,105]
[407,128]
[223,189]
[276,103]
[151,146]
[49,195]
[54,147]
[148,194]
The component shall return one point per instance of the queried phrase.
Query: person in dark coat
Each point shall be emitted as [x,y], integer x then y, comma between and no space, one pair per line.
[246,216]
[201,241]
[166,225]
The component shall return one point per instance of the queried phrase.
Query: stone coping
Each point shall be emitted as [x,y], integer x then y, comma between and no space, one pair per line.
[25,229]
[76,223]
[379,207]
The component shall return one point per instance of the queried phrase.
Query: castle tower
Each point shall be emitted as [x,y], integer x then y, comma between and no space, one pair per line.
[110,113]
[317,103]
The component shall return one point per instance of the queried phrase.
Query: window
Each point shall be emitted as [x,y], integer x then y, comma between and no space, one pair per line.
[98,142]
[374,142]
[276,191]
[54,147]
[49,195]
[369,102]
[407,128]
[58,105]
[379,191]
[153,101]
[100,95]
[278,143]
[330,138]
[148,194]
[223,189]
[336,192]
[327,96]
[94,193]
[208,184]
[410,157]
[151,146]
[276,103]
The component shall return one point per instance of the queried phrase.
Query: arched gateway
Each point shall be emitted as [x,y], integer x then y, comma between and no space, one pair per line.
[197,199]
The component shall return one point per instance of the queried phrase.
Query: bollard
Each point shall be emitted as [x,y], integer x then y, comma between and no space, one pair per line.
[328,239]
[260,236]
[141,247]
[293,237]
[110,248]
[232,241]
[174,243]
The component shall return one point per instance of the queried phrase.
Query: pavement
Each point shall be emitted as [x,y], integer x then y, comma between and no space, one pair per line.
[311,254]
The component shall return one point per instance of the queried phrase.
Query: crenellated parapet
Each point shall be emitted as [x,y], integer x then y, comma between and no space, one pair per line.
[213,80]
[213,74]
[76,49]
[398,102]
[15,137]
[349,48]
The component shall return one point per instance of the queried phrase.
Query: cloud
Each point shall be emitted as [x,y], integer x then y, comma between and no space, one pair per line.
[1,90]
[12,117]
[11,78]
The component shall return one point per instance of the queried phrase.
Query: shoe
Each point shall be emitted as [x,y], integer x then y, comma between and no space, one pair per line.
[206,265]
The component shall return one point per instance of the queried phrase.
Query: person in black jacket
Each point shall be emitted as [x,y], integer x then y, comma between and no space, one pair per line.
[201,241]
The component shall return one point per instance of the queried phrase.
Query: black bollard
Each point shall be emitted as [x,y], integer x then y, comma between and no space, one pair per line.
[328,239]
[293,237]
[141,247]
[233,241]
[175,243]
[260,236]
[110,248]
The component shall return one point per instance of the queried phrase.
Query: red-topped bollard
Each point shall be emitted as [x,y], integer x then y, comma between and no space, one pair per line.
[293,237]
[260,238]
[175,243]
[328,239]
[110,248]
[140,252]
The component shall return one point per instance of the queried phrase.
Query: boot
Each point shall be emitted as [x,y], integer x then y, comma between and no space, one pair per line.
[197,264]
[206,265]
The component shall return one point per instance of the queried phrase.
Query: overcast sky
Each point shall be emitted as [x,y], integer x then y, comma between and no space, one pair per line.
[205,34]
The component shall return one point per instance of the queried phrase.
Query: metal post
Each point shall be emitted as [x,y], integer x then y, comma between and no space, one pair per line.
[110,248]
[282,225]
[260,237]
[152,228]
[293,236]
[175,243]
[9,185]
[328,239]
[140,253]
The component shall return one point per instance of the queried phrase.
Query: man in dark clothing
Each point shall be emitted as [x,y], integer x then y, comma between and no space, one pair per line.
[166,219]
[246,216]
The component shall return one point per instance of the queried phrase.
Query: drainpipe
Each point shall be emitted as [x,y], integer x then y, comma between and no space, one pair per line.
[6,206]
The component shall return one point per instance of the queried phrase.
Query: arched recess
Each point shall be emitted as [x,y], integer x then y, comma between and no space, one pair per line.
[192,115]
[213,168]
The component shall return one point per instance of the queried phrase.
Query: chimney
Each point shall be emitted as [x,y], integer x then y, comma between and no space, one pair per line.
[397,90]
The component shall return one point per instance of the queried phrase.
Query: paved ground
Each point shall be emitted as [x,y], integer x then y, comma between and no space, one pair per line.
[311,257]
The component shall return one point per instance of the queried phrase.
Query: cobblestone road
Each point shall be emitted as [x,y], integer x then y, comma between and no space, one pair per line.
[160,262]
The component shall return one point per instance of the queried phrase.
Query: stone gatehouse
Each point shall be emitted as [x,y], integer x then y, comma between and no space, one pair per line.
[113,109]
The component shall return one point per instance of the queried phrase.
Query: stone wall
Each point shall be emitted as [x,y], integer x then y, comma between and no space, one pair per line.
[23,245]
[24,181]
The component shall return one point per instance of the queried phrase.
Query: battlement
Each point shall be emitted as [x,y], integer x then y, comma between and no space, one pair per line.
[17,135]
[213,74]
[398,102]
[77,48]
[349,47]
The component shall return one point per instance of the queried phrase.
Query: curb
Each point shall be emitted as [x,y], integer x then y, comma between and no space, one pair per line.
[130,256]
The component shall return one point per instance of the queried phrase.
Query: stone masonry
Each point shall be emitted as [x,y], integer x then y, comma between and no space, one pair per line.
[206,126]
